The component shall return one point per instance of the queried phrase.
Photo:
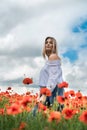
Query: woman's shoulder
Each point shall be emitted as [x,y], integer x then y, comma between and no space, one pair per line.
[54,57]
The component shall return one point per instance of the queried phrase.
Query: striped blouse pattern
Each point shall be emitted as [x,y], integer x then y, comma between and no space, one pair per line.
[51,74]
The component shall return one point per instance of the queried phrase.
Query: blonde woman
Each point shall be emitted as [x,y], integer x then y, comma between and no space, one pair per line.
[51,73]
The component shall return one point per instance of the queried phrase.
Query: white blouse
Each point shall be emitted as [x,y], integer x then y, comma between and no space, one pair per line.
[51,74]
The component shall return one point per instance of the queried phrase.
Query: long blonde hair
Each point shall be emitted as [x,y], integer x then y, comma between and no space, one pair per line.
[54,46]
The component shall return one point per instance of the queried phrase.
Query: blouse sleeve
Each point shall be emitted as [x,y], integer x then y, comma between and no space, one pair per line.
[55,74]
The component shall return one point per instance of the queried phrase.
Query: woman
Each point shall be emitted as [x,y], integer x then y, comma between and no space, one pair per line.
[51,73]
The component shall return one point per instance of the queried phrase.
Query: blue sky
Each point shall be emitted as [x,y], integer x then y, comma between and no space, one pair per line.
[80,27]
[71,53]
[23,27]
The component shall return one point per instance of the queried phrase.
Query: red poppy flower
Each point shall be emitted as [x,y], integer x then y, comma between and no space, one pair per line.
[83,117]
[28,81]
[54,115]
[28,109]
[67,113]
[14,109]
[26,100]
[48,93]
[45,91]
[9,88]
[63,85]
[1,111]
[42,107]
[60,99]
[79,95]
[66,95]
[22,125]
[72,93]
[28,93]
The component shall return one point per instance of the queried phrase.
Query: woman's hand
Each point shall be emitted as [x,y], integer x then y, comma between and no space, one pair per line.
[42,98]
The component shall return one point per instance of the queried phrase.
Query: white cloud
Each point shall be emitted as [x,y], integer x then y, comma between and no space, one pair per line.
[76,73]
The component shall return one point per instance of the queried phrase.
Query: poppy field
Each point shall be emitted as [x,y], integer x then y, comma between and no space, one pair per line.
[16,111]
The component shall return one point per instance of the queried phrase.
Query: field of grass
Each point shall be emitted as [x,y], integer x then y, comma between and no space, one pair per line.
[16,112]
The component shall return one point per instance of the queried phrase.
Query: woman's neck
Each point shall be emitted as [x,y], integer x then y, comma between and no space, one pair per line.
[48,53]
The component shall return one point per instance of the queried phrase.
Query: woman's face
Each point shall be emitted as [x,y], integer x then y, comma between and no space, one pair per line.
[49,45]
